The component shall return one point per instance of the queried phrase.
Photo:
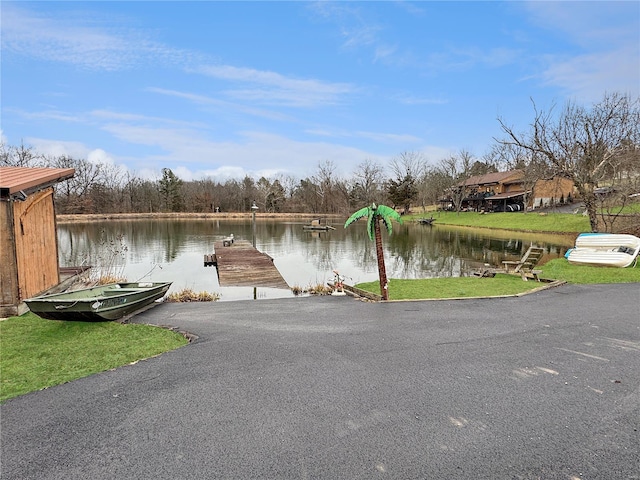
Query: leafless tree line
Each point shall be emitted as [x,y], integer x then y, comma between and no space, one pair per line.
[597,146]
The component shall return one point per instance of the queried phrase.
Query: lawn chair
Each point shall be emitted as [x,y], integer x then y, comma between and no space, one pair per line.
[525,266]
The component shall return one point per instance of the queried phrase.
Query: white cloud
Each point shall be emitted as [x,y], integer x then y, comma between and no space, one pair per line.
[592,24]
[55,115]
[100,156]
[354,29]
[74,38]
[251,154]
[206,101]
[192,157]
[388,137]
[408,99]
[588,77]
[606,33]
[382,52]
[58,148]
[378,137]
[273,88]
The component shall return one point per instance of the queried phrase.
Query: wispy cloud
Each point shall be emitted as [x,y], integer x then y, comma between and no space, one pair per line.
[608,31]
[388,137]
[354,29]
[255,151]
[592,24]
[410,7]
[587,77]
[206,101]
[361,30]
[75,39]
[272,88]
[467,58]
[57,148]
[378,137]
[135,118]
[56,115]
[408,99]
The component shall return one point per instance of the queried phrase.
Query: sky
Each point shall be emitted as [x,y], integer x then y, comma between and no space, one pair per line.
[227,89]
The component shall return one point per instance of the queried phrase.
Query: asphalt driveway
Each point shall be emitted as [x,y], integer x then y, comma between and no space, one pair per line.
[545,386]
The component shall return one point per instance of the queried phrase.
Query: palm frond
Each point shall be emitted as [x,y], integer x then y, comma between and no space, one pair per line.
[363,212]
[371,225]
[387,214]
[373,213]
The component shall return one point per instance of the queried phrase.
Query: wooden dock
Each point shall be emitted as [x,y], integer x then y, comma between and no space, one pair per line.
[242,265]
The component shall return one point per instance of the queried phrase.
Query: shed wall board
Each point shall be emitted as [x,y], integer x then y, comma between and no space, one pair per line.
[8,265]
[36,244]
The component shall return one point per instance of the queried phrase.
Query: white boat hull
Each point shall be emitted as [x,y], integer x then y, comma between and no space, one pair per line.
[604,249]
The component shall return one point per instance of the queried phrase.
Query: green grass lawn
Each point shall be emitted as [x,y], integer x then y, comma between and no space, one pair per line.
[534,222]
[501,284]
[38,353]
[559,268]
[633,207]
[460,287]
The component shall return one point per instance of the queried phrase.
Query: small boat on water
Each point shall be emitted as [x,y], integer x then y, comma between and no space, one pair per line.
[604,249]
[317,227]
[97,304]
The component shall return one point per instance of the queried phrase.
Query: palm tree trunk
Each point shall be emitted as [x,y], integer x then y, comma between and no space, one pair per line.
[382,271]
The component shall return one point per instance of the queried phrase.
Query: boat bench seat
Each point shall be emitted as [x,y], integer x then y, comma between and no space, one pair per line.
[119,291]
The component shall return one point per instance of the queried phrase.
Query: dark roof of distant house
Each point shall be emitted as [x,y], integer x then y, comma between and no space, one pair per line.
[502,196]
[14,180]
[491,178]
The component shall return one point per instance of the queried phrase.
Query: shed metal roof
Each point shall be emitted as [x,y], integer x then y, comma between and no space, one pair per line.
[28,180]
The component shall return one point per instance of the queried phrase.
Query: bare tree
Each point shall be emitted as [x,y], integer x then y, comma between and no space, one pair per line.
[366,184]
[581,143]
[433,186]
[622,187]
[21,156]
[412,163]
[331,198]
[74,195]
[532,166]
[457,170]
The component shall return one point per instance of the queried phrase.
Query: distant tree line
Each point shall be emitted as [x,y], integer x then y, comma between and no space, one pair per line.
[597,146]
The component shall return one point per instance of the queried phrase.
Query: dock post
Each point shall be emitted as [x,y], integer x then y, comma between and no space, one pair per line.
[254,208]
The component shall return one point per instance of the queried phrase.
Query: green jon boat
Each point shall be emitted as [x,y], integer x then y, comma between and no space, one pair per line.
[97,304]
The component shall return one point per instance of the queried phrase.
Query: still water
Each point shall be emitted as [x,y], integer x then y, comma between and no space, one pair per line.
[173,250]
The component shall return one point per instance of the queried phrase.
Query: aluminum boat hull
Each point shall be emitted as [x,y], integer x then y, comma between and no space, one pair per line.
[101,303]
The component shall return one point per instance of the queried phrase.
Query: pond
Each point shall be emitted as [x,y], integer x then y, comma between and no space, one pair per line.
[173,250]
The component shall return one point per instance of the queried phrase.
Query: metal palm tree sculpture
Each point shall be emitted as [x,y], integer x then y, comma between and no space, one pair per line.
[375,214]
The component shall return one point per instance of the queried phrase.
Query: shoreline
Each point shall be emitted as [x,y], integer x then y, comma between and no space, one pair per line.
[97,217]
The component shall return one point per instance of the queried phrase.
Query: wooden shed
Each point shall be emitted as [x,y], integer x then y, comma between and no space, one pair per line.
[28,239]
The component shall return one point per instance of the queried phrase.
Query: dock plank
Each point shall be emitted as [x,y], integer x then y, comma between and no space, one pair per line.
[242,265]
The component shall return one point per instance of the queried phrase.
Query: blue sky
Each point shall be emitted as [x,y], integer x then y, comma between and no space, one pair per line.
[227,89]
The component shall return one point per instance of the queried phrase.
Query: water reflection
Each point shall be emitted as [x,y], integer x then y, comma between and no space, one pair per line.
[173,250]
